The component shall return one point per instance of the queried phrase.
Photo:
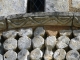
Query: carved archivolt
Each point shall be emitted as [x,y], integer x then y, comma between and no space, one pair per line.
[35,21]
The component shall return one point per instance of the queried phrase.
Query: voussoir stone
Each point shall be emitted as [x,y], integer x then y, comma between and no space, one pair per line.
[10,44]
[59,54]
[64,39]
[63,42]
[10,33]
[1,57]
[39,31]
[38,42]
[10,55]
[48,55]
[75,43]
[65,32]
[24,43]
[72,55]
[76,32]
[25,32]
[36,54]
[50,41]
[23,55]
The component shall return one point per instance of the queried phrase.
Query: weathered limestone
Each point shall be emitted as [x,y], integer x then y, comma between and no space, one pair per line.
[10,55]
[36,54]
[38,42]
[64,39]
[57,6]
[76,32]
[72,55]
[23,55]
[76,4]
[1,57]
[63,42]
[50,42]
[48,54]
[10,33]
[75,43]
[39,31]
[10,44]
[24,43]
[65,32]
[25,32]
[59,54]
[10,7]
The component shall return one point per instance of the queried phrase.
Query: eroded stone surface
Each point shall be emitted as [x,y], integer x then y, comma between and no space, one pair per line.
[39,31]
[48,55]
[76,32]
[75,43]
[59,54]
[36,54]
[25,32]
[24,43]
[10,44]
[10,7]
[72,55]
[50,41]
[65,32]
[64,39]
[76,4]
[38,42]
[10,33]
[10,55]
[23,55]
[57,6]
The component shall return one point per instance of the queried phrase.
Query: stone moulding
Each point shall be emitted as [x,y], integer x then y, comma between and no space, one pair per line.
[40,18]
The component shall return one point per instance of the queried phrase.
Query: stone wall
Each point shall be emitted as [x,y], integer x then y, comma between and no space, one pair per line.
[57,13]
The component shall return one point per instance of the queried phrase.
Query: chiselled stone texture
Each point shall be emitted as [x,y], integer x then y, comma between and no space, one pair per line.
[57,6]
[74,5]
[9,7]
[76,21]
[2,23]
[20,21]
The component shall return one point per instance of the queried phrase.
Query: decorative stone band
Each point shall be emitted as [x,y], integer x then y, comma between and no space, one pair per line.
[40,18]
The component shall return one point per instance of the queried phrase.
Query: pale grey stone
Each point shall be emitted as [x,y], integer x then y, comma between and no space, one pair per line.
[76,4]
[50,41]
[23,55]
[25,32]
[75,43]
[61,45]
[10,55]
[59,54]
[10,44]
[48,55]
[76,32]
[24,43]
[10,33]
[36,54]
[64,39]
[72,55]
[1,57]
[39,31]
[9,7]
[38,42]
[65,32]
[57,6]
[63,42]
